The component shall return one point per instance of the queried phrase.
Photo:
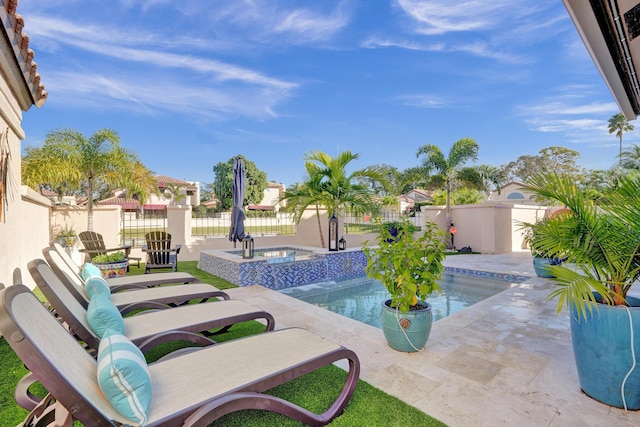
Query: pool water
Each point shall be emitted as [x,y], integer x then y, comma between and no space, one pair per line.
[361,299]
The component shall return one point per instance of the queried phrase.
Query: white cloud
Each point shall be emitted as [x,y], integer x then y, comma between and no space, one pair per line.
[443,16]
[423,101]
[145,96]
[311,26]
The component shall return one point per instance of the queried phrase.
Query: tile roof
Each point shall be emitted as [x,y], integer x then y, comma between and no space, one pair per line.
[164,180]
[13,24]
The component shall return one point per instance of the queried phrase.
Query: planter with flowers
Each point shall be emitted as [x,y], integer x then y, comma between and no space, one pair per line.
[409,269]
[111,265]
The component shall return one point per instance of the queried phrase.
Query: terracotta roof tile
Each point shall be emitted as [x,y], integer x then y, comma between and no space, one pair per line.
[19,41]
[164,180]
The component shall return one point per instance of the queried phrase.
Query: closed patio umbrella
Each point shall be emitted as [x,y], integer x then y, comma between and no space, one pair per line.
[236,232]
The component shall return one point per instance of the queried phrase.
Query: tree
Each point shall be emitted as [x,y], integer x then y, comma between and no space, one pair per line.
[329,185]
[448,168]
[630,158]
[70,160]
[256,182]
[552,159]
[140,182]
[174,192]
[619,124]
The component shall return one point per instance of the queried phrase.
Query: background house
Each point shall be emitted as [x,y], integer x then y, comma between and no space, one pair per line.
[271,199]
[408,200]
[513,192]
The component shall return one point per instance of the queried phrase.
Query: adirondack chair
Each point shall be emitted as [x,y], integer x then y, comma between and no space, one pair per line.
[94,246]
[160,254]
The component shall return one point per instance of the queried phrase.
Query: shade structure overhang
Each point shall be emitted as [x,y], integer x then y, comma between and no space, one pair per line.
[610,31]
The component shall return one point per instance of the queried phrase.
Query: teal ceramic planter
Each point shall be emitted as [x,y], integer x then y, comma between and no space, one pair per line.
[540,266]
[417,323]
[602,349]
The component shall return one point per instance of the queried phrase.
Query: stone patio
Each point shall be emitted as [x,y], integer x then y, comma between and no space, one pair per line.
[506,361]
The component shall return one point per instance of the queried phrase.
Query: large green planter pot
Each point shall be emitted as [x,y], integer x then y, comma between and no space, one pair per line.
[602,346]
[415,333]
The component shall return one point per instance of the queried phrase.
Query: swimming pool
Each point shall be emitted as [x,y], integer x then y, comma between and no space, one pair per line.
[360,299]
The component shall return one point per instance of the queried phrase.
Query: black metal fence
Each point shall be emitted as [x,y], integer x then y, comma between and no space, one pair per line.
[360,224]
[136,224]
[259,223]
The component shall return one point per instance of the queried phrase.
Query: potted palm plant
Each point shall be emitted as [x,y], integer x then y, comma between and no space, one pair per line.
[111,265]
[542,259]
[409,269]
[67,236]
[602,243]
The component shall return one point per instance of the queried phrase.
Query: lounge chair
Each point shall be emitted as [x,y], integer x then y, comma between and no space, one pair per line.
[192,389]
[119,283]
[151,328]
[160,254]
[132,299]
[94,245]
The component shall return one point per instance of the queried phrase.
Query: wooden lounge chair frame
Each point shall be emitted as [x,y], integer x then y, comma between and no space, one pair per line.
[149,329]
[158,297]
[159,252]
[214,381]
[129,282]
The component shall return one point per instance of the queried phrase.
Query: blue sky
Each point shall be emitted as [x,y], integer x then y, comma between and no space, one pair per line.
[188,84]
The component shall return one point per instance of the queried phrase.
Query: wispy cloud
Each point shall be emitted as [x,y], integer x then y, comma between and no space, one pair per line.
[423,101]
[572,114]
[214,88]
[307,25]
[136,93]
[479,49]
[443,16]
[269,22]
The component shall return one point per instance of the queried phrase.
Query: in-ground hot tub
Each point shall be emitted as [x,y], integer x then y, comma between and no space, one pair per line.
[284,267]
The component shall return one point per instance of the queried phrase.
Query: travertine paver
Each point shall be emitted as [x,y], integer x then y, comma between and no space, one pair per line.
[506,361]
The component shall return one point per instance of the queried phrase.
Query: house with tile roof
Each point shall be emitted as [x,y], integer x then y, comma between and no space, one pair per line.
[189,195]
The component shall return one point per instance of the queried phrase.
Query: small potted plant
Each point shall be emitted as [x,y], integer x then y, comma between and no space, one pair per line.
[111,265]
[542,259]
[409,269]
[67,236]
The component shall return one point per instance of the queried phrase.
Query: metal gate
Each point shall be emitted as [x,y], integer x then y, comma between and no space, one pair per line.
[135,224]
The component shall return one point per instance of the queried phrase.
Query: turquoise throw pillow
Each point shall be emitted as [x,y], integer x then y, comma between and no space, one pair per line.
[102,315]
[90,270]
[97,286]
[123,377]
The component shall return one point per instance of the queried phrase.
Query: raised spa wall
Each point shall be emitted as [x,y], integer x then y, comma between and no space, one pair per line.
[317,265]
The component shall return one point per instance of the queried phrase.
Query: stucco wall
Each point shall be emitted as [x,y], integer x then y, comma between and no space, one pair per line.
[25,221]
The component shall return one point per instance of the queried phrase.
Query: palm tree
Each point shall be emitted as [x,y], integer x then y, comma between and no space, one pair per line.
[140,182]
[173,191]
[619,124]
[329,185]
[449,168]
[630,158]
[68,158]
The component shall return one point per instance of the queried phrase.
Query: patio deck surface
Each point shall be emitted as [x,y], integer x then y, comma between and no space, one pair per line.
[506,361]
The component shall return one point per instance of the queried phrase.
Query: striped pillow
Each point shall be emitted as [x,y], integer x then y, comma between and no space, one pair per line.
[123,377]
